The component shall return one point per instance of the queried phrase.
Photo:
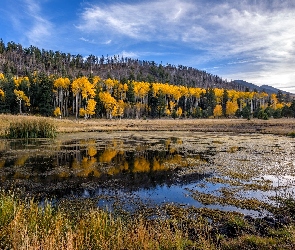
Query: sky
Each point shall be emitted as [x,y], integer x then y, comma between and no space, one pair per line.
[251,40]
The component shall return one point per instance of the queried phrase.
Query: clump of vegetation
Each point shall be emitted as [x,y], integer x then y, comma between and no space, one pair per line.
[291,134]
[26,129]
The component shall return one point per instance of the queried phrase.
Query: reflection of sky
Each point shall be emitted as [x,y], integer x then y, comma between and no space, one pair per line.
[168,194]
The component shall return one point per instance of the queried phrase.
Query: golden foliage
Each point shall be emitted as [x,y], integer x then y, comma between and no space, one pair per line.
[57,112]
[2,94]
[217,112]
[2,163]
[108,155]
[91,150]
[62,83]
[18,80]
[90,109]
[231,108]
[179,112]
[83,86]
[141,165]
[20,96]
[82,112]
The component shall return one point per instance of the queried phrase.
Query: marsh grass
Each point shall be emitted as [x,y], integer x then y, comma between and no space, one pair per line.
[35,128]
[24,224]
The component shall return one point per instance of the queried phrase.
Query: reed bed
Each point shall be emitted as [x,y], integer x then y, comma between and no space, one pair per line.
[34,128]
[27,225]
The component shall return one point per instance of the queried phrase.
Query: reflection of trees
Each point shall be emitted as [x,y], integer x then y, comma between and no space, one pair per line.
[86,167]
[107,155]
[85,158]
[21,160]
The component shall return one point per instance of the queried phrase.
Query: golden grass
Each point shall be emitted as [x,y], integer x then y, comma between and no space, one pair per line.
[26,225]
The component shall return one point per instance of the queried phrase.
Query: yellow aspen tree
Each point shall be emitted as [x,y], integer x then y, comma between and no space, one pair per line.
[167,111]
[176,93]
[109,103]
[274,101]
[179,112]
[141,90]
[82,112]
[90,109]
[20,96]
[82,89]
[2,94]
[120,108]
[280,105]
[231,108]
[62,94]
[96,80]
[219,94]
[217,112]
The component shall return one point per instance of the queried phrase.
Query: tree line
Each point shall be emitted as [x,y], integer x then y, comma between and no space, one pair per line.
[93,96]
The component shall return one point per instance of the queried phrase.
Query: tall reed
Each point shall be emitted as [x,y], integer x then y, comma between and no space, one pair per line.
[35,128]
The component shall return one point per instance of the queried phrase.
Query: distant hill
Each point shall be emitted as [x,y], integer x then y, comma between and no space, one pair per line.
[266,88]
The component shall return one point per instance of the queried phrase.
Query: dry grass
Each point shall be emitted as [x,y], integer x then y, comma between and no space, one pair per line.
[273,126]
[26,225]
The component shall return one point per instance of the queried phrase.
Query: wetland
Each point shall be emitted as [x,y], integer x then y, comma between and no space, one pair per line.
[225,171]
[238,184]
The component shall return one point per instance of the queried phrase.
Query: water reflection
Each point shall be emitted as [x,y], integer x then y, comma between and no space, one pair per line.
[156,168]
[39,160]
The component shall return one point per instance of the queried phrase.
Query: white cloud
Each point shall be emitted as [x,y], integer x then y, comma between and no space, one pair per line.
[142,21]
[129,54]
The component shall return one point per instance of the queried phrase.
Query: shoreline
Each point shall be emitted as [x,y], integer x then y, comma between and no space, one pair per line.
[282,126]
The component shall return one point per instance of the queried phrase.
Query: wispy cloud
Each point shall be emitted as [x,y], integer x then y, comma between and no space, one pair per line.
[29,21]
[40,28]
[257,33]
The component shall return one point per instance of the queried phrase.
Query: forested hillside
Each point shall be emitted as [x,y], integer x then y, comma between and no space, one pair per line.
[21,61]
[49,83]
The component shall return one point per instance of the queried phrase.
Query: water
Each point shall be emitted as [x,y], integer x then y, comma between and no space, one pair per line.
[149,169]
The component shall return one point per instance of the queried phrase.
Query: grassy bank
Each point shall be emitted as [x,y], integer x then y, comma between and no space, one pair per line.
[26,225]
[272,126]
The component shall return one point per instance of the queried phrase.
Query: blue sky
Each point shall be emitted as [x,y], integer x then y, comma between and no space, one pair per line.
[252,40]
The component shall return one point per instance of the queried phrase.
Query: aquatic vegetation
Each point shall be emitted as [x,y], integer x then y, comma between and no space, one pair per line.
[37,128]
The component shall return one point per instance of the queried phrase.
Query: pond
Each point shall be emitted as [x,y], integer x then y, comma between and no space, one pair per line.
[246,173]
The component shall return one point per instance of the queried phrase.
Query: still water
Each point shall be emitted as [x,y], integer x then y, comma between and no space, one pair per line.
[152,169]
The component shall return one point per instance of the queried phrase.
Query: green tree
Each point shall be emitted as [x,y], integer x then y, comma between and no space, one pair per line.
[246,112]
